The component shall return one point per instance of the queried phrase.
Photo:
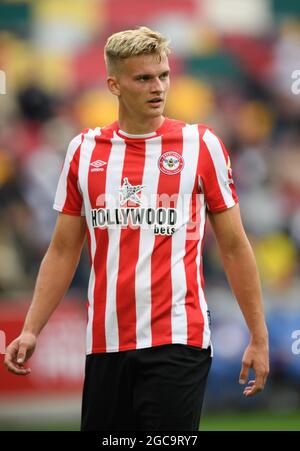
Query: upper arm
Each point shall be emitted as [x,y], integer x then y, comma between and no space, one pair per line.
[228,229]
[69,234]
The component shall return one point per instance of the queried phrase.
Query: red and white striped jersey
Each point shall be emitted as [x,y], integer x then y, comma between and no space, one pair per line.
[145,198]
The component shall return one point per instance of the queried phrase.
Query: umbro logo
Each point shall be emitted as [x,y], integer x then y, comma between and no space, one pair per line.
[97,165]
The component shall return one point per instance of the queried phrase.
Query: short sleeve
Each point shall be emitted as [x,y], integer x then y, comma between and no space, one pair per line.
[68,198]
[215,173]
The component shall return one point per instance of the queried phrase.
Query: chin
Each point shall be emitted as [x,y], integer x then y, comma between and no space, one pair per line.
[156,113]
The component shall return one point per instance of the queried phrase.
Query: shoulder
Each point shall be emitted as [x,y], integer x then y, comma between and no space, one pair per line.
[174,123]
[210,140]
[104,132]
[90,132]
[74,146]
[203,131]
[86,133]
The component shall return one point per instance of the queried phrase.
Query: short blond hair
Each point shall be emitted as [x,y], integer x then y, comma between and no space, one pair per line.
[142,40]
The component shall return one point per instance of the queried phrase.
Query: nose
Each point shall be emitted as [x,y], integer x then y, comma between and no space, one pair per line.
[156,85]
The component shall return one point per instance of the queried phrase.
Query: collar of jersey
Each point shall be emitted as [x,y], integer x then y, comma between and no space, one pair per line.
[130,135]
[158,132]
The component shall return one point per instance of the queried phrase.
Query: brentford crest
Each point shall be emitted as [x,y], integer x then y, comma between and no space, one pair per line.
[170,163]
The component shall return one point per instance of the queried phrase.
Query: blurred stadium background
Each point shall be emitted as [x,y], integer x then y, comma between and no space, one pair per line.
[235,66]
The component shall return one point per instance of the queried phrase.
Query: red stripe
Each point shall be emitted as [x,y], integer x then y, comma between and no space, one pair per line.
[161,319]
[201,275]
[195,315]
[133,169]
[73,202]
[89,252]
[89,244]
[202,130]
[96,187]
[195,321]
[99,340]
[201,261]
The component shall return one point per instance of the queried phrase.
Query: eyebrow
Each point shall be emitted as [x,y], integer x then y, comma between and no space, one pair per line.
[165,72]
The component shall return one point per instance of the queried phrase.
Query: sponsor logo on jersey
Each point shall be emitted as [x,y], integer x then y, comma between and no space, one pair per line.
[170,163]
[130,192]
[161,220]
[97,165]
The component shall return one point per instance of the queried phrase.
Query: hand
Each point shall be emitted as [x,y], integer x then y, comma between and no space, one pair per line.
[18,352]
[256,356]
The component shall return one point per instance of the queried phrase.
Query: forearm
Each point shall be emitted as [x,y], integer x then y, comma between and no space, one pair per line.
[240,266]
[54,277]
[242,274]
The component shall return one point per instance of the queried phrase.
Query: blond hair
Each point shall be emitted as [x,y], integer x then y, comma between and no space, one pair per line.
[124,44]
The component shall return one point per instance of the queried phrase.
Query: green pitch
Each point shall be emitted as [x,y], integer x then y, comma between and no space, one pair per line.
[254,421]
[241,421]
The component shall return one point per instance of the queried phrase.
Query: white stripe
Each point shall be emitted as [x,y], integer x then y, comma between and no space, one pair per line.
[113,184]
[146,245]
[215,149]
[61,192]
[87,148]
[203,305]
[190,154]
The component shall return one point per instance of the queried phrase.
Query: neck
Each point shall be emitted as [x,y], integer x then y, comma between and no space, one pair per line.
[139,126]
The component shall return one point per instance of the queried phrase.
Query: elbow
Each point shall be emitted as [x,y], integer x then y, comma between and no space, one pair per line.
[236,248]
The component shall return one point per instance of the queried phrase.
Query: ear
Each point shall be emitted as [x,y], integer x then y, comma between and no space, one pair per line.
[113,85]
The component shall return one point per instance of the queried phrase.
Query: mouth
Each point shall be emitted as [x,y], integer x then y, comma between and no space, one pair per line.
[156,102]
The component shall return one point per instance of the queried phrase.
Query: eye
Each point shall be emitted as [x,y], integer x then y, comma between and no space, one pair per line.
[143,78]
[164,76]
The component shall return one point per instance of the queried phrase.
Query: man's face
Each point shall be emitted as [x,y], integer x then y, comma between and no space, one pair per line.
[142,83]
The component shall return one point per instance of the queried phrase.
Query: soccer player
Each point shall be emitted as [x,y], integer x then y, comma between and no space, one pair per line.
[140,190]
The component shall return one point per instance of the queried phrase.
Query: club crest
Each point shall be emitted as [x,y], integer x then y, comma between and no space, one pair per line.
[170,163]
